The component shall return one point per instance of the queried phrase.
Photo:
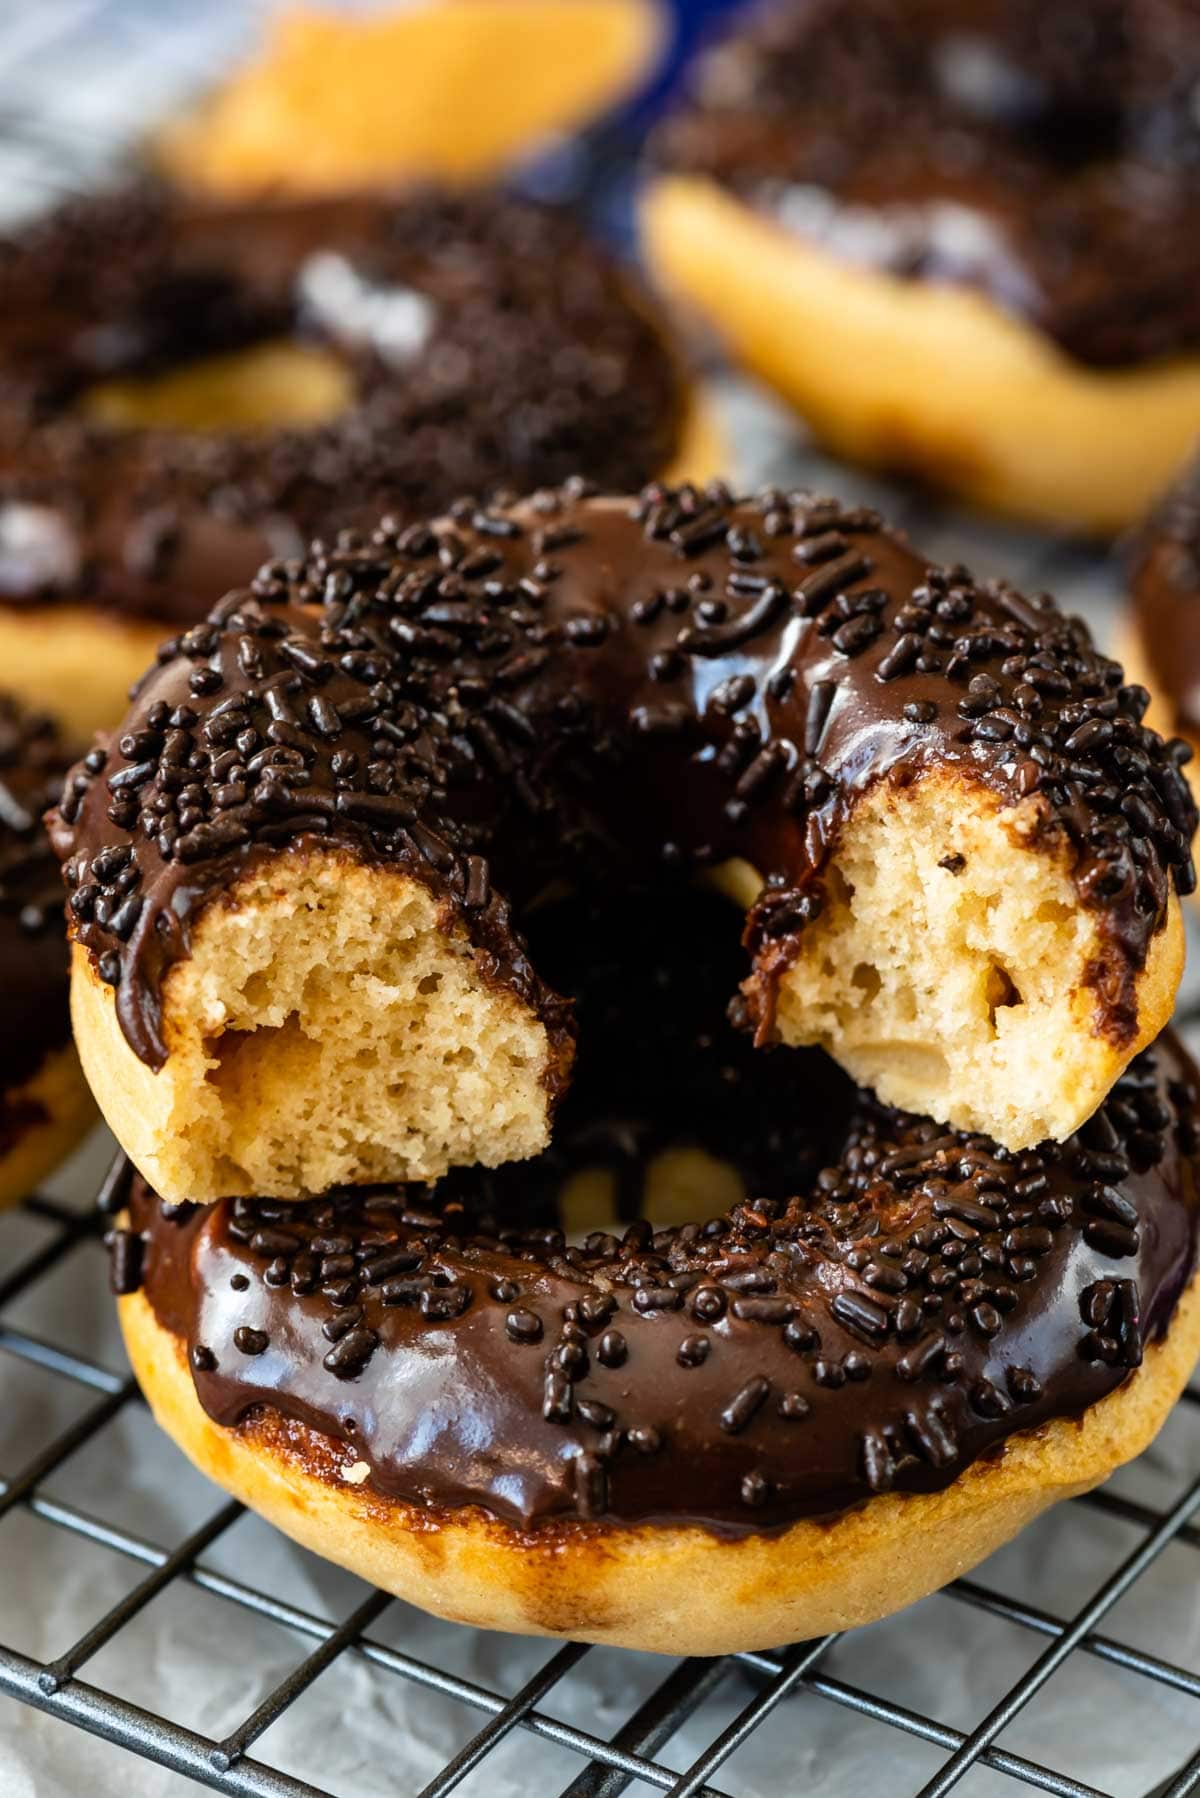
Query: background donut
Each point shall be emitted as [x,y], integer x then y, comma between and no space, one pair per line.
[317,108]
[1160,643]
[962,240]
[187,390]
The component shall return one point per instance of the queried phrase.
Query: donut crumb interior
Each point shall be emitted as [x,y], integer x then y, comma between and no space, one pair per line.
[326,1029]
[936,971]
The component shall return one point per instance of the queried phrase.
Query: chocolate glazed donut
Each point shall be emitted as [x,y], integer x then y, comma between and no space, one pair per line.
[995,207]
[45,1106]
[307,850]
[478,339]
[730,1426]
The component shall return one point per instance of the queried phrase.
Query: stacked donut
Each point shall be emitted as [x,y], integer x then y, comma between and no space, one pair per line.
[402,895]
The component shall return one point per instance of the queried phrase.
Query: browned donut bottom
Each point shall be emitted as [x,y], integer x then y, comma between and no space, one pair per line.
[655,1587]
[908,1320]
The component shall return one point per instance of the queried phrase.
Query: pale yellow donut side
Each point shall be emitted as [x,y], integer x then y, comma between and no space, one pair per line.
[933,379]
[76,662]
[1132,653]
[451,89]
[649,1587]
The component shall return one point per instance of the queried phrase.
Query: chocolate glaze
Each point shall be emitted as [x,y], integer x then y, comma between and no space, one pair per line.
[33,948]
[486,340]
[899,1302]
[580,687]
[1166,598]
[1049,155]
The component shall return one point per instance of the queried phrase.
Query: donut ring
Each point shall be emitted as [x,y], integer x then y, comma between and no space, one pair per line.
[317,110]
[724,1434]
[298,859]
[466,341]
[963,241]
[45,1105]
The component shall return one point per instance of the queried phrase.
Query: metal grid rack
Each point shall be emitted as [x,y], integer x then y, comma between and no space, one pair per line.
[606,1766]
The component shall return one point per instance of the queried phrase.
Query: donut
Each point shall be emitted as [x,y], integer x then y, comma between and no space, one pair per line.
[45,1105]
[449,91]
[1161,641]
[300,871]
[963,240]
[786,1416]
[373,353]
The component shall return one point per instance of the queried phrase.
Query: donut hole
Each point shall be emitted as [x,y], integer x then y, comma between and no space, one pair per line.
[330,1027]
[958,981]
[264,388]
[679,1185]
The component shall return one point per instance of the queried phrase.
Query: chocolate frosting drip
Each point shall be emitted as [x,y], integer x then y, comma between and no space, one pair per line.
[1049,155]
[575,687]
[33,948]
[920,1297]
[487,340]
[1166,598]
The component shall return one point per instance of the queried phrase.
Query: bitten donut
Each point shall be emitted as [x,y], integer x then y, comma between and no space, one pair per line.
[756,1427]
[964,240]
[449,89]
[187,389]
[45,1105]
[1161,646]
[298,874]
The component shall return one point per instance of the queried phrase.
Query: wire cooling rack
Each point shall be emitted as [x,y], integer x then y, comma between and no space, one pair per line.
[763,1688]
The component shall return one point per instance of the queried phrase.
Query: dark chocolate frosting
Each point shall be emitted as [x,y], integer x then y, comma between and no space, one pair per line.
[1166,598]
[33,947]
[486,338]
[897,1301]
[1047,154]
[574,687]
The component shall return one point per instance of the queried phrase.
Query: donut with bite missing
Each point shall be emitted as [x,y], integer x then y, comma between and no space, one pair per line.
[452,90]
[189,387]
[300,873]
[963,240]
